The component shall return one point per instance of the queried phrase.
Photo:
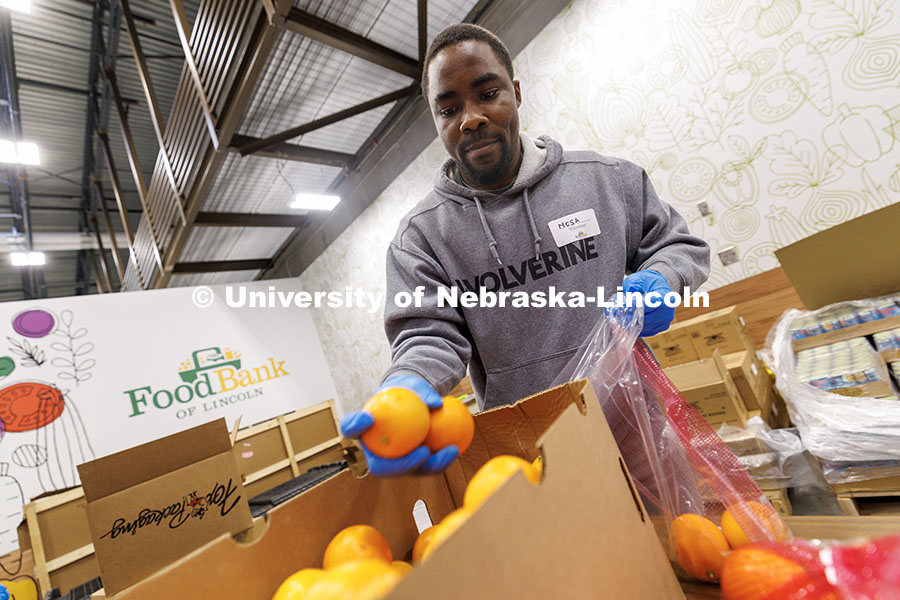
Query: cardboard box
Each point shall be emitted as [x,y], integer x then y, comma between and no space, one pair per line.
[673,346]
[150,505]
[749,378]
[848,261]
[723,330]
[582,532]
[708,386]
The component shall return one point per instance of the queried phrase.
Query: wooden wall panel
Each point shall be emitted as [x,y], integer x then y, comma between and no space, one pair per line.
[762,299]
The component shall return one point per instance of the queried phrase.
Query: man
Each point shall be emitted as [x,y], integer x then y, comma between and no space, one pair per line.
[511,213]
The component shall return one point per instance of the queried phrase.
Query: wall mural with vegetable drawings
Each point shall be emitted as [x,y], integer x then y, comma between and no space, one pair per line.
[42,435]
[782,115]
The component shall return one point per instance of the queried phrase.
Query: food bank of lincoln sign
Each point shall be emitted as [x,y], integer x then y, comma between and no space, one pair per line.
[210,380]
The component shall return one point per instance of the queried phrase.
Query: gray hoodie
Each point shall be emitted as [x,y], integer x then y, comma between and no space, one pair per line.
[469,239]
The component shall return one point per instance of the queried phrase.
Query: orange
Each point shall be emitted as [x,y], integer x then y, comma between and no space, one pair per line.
[494,474]
[356,543]
[402,568]
[700,547]
[450,424]
[422,542]
[446,528]
[367,579]
[401,423]
[538,464]
[751,573]
[296,586]
[768,518]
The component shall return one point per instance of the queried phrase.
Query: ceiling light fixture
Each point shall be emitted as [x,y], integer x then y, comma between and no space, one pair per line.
[25,259]
[19,5]
[315,202]
[26,153]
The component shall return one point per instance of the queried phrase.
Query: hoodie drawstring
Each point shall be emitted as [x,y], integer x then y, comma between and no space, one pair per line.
[534,231]
[492,243]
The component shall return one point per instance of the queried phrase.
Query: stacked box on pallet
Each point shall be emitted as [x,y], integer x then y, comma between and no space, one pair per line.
[686,350]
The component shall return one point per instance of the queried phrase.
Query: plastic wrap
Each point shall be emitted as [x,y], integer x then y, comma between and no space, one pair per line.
[775,458]
[678,463]
[854,472]
[833,427]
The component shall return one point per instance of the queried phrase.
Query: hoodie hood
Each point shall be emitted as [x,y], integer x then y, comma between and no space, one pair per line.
[539,158]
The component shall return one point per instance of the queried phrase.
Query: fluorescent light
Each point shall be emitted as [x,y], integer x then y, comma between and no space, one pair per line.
[19,5]
[24,259]
[315,202]
[26,153]
[29,153]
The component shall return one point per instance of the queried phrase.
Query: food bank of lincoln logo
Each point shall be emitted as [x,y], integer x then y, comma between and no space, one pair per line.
[212,378]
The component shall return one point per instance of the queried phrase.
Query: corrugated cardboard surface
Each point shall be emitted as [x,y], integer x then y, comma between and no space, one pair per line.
[856,259]
[749,378]
[173,514]
[150,505]
[673,347]
[723,330]
[125,469]
[708,386]
[581,533]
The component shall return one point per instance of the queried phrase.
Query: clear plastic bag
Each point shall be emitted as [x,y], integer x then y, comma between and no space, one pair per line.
[833,427]
[678,463]
[775,458]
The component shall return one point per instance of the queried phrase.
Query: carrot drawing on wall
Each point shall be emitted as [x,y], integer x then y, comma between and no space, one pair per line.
[43,434]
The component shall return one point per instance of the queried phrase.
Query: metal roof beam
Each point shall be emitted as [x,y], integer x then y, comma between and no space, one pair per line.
[120,202]
[229,219]
[243,60]
[219,266]
[156,118]
[320,30]
[16,175]
[329,120]
[131,152]
[64,88]
[402,136]
[184,35]
[423,32]
[285,151]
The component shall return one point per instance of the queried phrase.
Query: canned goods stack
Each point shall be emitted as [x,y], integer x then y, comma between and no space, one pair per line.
[849,368]
[840,318]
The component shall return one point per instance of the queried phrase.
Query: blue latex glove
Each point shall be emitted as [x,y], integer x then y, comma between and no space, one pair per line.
[420,460]
[655,319]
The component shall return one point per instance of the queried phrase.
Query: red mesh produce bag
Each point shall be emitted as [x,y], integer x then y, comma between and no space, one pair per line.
[801,570]
[677,461]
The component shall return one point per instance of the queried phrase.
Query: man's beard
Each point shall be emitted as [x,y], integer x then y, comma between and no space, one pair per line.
[487,178]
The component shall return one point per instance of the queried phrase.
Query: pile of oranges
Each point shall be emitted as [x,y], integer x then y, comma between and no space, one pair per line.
[358,563]
[710,553]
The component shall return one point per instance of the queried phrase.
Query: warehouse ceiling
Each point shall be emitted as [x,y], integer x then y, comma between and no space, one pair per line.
[231,108]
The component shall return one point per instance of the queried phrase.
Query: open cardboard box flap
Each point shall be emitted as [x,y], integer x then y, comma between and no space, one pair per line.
[122,470]
[581,533]
[155,503]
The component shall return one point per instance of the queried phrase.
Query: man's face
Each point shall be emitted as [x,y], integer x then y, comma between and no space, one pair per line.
[475,106]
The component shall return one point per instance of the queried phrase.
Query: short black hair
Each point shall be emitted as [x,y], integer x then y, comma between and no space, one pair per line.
[463,32]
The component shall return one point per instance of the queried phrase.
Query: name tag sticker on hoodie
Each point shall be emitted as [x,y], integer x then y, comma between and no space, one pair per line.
[574,227]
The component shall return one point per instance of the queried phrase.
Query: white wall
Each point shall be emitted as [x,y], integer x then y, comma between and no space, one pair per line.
[784,116]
